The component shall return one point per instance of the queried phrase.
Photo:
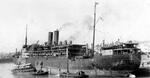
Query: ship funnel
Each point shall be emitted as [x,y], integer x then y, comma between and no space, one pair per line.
[50,38]
[56,37]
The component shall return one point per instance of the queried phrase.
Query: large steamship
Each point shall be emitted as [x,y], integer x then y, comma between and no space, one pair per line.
[113,60]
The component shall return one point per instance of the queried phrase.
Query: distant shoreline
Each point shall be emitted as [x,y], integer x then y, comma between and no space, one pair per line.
[6,60]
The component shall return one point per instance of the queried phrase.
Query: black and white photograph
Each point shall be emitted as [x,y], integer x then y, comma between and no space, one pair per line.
[74,38]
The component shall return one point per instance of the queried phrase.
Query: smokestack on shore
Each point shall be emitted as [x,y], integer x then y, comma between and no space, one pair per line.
[56,37]
[50,38]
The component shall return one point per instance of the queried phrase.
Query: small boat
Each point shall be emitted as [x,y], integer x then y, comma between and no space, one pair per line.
[40,72]
[131,75]
[79,74]
[24,68]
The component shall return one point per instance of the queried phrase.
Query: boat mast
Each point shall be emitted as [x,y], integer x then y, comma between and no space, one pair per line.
[94,27]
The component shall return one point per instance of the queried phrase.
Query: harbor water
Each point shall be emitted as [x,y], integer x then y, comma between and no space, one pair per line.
[5,72]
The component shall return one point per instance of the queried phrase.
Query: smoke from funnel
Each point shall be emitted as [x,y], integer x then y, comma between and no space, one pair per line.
[78,31]
[65,25]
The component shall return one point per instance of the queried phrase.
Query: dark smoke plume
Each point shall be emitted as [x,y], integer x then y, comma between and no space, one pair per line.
[78,31]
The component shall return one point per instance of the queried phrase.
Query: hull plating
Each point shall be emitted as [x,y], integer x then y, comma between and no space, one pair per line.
[116,63]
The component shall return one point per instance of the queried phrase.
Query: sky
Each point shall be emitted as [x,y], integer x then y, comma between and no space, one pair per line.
[121,19]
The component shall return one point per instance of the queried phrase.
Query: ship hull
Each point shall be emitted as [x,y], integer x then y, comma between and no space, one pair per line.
[56,66]
[98,65]
[144,69]
[118,62]
[142,72]
[91,72]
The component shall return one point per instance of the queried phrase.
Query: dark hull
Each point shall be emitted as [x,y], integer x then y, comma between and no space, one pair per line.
[74,75]
[142,72]
[61,62]
[117,62]
[42,73]
[109,65]
[144,69]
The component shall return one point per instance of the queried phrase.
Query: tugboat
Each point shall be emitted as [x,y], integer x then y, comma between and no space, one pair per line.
[21,64]
[24,68]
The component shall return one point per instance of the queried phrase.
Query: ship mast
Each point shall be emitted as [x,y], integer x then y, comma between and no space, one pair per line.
[94,26]
[67,55]
[26,36]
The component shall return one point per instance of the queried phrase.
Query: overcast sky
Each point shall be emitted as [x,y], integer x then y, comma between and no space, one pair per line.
[123,19]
